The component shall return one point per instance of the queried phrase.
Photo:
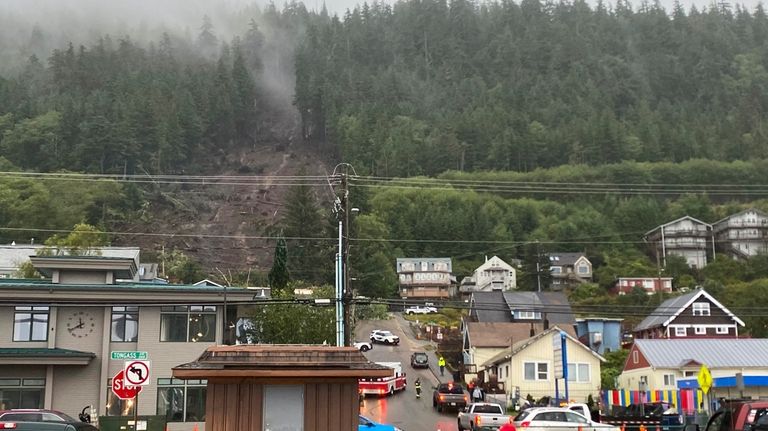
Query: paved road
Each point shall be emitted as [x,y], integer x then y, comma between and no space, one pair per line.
[403,409]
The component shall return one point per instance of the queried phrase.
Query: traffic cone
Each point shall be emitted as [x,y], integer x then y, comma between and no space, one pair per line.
[195,428]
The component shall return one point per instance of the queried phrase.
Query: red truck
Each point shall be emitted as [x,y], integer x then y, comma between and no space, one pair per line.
[741,415]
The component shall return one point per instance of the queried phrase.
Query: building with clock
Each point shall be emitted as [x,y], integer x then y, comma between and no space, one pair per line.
[57,335]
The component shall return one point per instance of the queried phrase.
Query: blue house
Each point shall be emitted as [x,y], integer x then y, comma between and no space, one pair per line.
[599,333]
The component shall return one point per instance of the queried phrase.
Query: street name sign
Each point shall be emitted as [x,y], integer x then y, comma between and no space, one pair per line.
[129,356]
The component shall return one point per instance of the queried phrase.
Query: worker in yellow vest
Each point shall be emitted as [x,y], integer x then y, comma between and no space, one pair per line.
[441,364]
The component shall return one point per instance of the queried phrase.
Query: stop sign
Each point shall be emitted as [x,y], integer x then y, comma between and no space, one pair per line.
[123,391]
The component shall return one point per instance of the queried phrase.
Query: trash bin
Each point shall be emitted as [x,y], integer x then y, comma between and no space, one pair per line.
[125,423]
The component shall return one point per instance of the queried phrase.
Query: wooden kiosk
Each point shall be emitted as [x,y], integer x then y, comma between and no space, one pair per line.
[281,387]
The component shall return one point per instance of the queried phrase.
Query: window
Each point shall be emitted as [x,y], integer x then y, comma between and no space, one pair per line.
[700,330]
[125,324]
[180,400]
[527,315]
[279,399]
[30,324]
[21,393]
[635,357]
[669,380]
[188,323]
[689,373]
[556,270]
[578,373]
[681,331]
[722,330]
[115,406]
[701,308]
[536,370]
[575,418]
[583,269]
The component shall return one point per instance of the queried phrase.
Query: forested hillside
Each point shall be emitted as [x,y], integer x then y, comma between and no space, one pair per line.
[427,86]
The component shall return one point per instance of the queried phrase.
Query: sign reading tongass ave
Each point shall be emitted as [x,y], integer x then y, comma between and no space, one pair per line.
[129,356]
[121,390]
[136,373]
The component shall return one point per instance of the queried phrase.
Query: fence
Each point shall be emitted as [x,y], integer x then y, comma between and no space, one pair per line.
[687,401]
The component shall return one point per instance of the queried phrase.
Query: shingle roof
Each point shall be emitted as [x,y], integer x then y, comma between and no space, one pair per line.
[665,311]
[565,259]
[712,352]
[557,307]
[499,334]
[490,307]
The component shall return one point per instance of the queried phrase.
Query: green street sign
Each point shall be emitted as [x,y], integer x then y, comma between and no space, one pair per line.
[128,356]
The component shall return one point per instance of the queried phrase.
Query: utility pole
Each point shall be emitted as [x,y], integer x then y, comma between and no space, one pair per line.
[346,291]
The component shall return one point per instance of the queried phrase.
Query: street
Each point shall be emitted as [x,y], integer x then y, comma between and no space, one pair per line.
[403,409]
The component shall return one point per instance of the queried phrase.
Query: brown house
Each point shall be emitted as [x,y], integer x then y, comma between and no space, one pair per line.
[694,315]
[259,387]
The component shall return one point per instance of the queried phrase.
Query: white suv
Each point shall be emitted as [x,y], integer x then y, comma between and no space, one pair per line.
[384,337]
[420,309]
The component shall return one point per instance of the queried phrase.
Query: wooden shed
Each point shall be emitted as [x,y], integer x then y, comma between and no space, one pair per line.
[281,387]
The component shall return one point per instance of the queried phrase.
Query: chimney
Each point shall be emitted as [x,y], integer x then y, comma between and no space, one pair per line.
[533,331]
[546,321]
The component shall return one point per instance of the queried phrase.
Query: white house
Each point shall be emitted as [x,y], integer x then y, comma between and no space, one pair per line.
[493,274]
[686,237]
[743,234]
[530,366]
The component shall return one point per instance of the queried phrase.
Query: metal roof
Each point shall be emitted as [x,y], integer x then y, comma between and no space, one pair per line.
[664,311]
[687,217]
[41,351]
[712,352]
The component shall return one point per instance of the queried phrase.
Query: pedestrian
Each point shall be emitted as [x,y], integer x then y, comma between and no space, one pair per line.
[418,387]
[441,364]
[477,394]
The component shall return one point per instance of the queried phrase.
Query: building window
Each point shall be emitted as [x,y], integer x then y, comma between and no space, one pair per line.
[527,315]
[125,324]
[18,393]
[635,357]
[681,331]
[689,373]
[115,406]
[701,308]
[669,380]
[279,399]
[700,330]
[30,324]
[181,400]
[191,323]
[578,373]
[722,330]
[583,269]
[555,269]
[536,370]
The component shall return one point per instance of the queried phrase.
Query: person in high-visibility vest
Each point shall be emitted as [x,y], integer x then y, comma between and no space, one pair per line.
[441,364]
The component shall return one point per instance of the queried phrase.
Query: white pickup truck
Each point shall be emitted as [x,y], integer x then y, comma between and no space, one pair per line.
[485,415]
[420,309]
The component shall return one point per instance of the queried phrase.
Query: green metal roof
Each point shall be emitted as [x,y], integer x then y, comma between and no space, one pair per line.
[77,256]
[16,352]
[46,284]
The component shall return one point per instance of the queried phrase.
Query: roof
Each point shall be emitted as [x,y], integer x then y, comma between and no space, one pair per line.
[712,352]
[207,282]
[41,355]
[523,344]
[687,217]
[487,306]
[281,360]
[490,307]
[123,267]
[565,259]
[671,308]
[499,334]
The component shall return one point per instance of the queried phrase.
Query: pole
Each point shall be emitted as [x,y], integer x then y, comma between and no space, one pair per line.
[538,269]
[346,291]
[565,365]
[339,296]
[225,334]
[135,411]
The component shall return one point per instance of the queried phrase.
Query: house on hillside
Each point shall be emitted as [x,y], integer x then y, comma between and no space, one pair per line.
[600,334]
[57,333]
[670,364]
[530,367]
[569,270]
[743,235]
[526,307]
[651,285]
[687,237]
[696,314]
[493,274]
[426,277]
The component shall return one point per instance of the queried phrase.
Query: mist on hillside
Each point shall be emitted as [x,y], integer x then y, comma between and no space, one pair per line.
[37,27]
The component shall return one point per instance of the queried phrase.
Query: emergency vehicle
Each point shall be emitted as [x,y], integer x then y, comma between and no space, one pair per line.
[386,385]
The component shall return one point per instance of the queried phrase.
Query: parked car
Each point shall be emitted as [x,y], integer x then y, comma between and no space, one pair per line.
[369,425]
[363,346]
[482,415]
[560,418]
[41,420]
[419,360]
[384,337]
[449,396]
[420,309]
[738,415]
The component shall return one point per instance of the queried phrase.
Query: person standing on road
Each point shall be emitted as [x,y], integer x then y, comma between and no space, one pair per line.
[477,394]
[441,364]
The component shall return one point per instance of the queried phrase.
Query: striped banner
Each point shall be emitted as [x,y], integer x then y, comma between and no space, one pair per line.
[687,401]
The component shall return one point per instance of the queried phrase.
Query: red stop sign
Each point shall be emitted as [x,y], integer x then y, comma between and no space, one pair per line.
[123,391]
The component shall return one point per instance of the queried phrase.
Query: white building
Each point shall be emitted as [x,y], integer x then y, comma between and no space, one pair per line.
[686,237]
[493,274]
[744,234]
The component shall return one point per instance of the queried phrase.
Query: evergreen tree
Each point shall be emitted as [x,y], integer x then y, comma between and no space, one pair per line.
[278,275]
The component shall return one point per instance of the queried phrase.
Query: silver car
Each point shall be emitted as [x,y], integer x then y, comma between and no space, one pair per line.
[557,419]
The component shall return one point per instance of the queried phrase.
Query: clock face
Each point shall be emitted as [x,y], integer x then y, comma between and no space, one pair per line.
[81,324]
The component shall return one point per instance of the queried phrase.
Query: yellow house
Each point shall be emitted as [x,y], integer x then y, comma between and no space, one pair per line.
[530,367]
